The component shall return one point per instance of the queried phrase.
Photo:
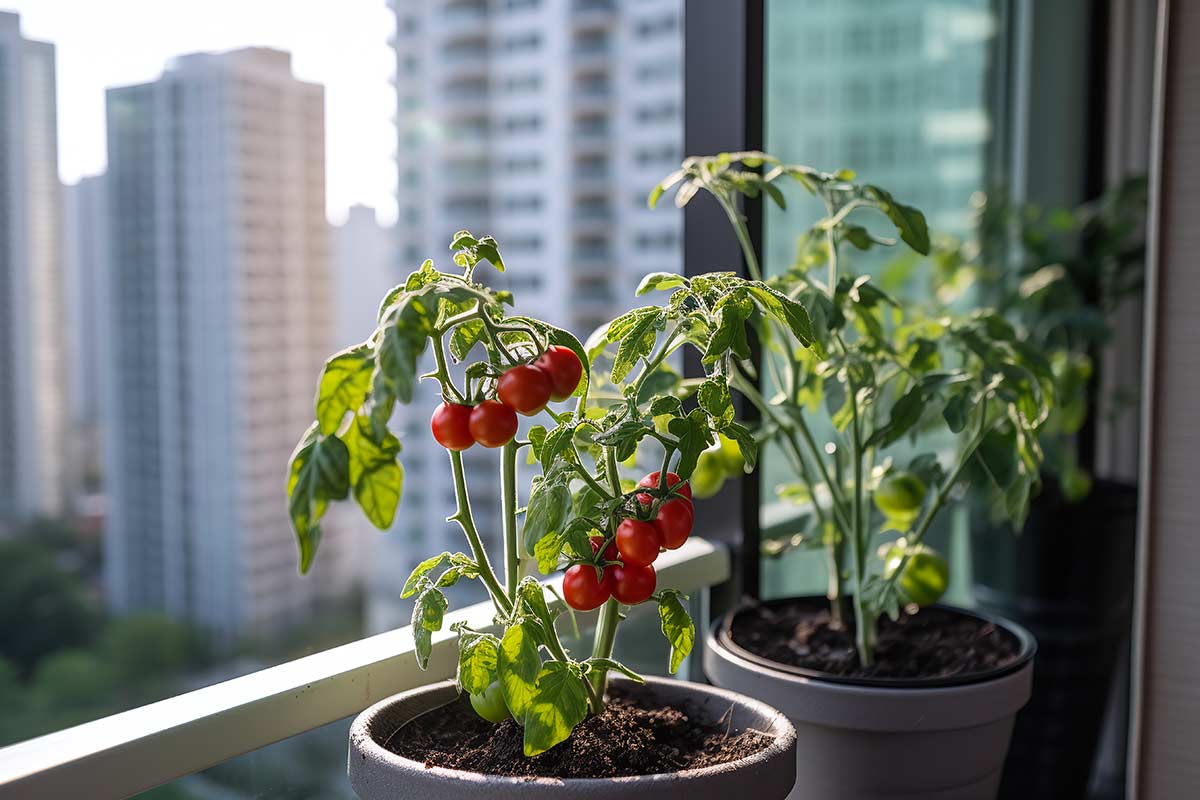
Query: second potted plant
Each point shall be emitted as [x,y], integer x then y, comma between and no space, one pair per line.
[525,717]
[892,694]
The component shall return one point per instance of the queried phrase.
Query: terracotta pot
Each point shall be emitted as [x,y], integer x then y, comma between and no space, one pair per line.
[894,739]
[377,773]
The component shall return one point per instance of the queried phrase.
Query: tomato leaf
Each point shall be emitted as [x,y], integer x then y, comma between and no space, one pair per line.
[677,626]
[376,477]
[478,658]
[428,612]
[606,664]
[549,505]
[420,571]
[343,387]
[518,665]
[558,704]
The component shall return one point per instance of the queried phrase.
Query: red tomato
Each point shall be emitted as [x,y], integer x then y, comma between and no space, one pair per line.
[564,369]
[582,591]
[493,424]
[525,389]
[638,542]
[674,523]
[674,482]
[630,585]
[451,426]
[610,552]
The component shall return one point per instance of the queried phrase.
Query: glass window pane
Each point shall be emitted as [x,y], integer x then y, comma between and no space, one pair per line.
[898,93]
[237,194]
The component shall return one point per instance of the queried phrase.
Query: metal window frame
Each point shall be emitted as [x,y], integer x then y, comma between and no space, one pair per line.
[724,74]
[127,753]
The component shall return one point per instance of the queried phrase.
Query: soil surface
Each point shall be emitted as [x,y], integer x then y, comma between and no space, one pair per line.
[629,738]
[933,643]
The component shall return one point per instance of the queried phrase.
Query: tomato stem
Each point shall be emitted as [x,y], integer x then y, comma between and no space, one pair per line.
[606,633]
[508,501]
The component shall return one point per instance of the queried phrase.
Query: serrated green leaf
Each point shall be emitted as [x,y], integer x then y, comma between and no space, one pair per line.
[547,551]
[666,405]
[694,435]
[637,343]
[318,472]
[713,396]
[559,703]
[428,611]
[660,282]
[958,411]
[518,665]
[376,477]
[677,626]
[465,337]
[746,443]
[420,571]
[904,415]
[546,513]
[786,310]
[478,657]
[343,387]
[730,334]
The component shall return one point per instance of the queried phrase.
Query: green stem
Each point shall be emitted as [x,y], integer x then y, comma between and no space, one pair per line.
[864,629]
[462,515]
[655,361]
[590,481]
[606,634]
[743,236]
[508,503]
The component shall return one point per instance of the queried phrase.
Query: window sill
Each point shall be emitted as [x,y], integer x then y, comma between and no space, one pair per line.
[142,748]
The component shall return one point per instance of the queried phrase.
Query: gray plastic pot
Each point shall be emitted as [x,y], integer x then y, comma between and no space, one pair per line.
[860,742]
[377,773]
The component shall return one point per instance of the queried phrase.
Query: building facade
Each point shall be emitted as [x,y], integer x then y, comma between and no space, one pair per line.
[221,314]
[544,123]
[32,322]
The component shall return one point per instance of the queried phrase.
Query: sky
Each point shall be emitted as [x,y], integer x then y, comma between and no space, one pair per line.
[342,44]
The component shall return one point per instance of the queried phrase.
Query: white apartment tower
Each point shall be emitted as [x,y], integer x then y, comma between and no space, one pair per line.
[221,315]
[544,123]
[32,409]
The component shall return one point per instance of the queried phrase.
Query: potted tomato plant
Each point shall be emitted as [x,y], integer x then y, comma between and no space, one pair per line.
[892,694]
[524,716]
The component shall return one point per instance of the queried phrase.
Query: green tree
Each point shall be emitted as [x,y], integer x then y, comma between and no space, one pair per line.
[42,608]
[147,648]
[72,679]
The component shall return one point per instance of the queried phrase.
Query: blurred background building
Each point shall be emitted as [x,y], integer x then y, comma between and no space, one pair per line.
[544,124]
[32,391]
[220,320]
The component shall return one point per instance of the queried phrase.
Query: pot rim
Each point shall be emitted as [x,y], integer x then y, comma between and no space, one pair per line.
[722,631]
[781,727]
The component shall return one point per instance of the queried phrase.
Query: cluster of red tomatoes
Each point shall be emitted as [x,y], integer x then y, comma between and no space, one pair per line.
[525,389]
[636,545]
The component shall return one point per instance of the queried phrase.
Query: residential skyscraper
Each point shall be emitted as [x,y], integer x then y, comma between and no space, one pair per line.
[32,409]
[85,287]
[221,316]
[544,123]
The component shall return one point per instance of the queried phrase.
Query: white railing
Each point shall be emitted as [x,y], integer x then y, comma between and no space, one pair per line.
[136,750]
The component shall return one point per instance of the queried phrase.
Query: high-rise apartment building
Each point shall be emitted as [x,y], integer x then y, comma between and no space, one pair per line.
[897,92]
[544,123]
[221,315]
[32,322]
[85,288]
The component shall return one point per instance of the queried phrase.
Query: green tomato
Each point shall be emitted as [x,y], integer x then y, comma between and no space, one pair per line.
[900,495]
[490,705]
[925,576]
[731,457]
[709,474]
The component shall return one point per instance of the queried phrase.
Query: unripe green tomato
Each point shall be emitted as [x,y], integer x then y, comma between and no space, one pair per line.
[731,457]
[709,474]
[900,495]
[925,576]
[490,705]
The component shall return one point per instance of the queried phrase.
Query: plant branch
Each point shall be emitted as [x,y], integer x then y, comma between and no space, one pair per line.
[602,647]
[508,503]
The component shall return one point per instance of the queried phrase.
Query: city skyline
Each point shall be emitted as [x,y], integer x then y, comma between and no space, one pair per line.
[342,45]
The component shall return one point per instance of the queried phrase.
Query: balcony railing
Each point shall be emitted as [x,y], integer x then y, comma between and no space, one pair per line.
[139,749]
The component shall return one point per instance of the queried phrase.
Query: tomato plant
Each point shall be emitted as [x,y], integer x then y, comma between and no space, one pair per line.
[582,515]
[881,370]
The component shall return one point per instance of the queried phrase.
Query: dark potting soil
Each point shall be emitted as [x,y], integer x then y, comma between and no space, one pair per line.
[629,738]
[933,643]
